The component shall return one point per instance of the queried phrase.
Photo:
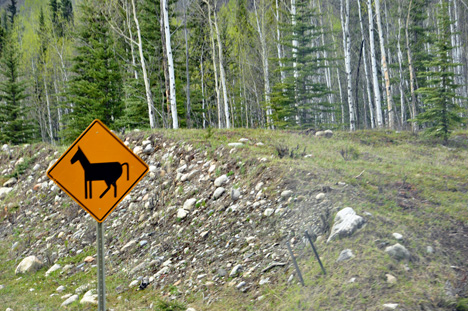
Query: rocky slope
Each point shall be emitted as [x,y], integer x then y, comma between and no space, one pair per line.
[197,219]
[210,219]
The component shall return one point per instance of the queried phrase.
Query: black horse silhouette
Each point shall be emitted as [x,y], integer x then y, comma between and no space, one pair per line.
[110,172]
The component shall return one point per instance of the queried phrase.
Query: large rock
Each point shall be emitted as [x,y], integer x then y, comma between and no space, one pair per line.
[220,180]
[52,269]
[218,192]
[398,252]
[70,300]
[129,245]
[29,264]
[89,298]
[235,194]
[4,191]
[189,204]
[181,213]
[346,223]
[10,182]
[345,255]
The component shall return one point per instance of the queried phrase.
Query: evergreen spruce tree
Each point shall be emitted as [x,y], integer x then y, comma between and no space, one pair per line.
[12,10]
[67,10]
[14,126]
[441,113]
[95,91]
[299,100]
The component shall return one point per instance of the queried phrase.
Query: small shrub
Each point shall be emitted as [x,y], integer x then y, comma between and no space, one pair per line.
[163,305]
[349,153]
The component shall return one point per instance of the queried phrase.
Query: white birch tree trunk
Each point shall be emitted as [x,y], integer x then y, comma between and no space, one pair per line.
[413,111]
[130,33]
[347,55]
[222,74]
[295,44]
[278,44]
[391,112]
[215,67]
[149,96]
[375,80]
[368,86]
[266,79]
[170,66]
[400,66]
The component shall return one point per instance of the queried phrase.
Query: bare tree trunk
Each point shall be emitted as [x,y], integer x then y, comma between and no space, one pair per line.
[202,88]
[278,44]
[222,74]
[391,112]
[170,65]
[295,44]
[149,96]
[215,68]
[413,112]
[347,55]
[375,81]
[130,32]
[266,78]
[187,71]
[368,86]
[400,64]
[49,117]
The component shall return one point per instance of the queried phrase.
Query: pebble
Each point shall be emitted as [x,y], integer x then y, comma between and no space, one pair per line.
[391,279]
[60,289]
[397,236]
[320,196]
[241,284]
[235,271]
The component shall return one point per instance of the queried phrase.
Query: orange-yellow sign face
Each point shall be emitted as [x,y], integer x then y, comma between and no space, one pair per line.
[98,170]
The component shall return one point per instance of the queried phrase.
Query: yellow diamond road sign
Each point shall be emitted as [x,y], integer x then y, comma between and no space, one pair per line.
[98,170]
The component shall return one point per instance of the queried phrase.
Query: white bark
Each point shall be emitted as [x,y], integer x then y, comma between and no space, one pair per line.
[215,67]
[400,64]
[266,78]
[391,112]
[221,72]
[49,117]
[295,44]
[347,55]
[170,66]
[278,44]
[368,87]
[149,96]
[131,41]
[375,81]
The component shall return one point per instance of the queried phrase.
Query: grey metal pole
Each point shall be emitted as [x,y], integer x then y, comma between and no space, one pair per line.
[315,252]
[101,271]
[295,263]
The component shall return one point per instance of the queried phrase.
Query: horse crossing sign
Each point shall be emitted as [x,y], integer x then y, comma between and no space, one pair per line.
[98,170]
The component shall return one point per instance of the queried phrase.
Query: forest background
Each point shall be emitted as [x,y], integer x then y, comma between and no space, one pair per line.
[295,64]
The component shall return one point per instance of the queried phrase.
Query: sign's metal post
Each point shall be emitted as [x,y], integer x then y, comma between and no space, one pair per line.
[315,252]
[100,266]
[299,274]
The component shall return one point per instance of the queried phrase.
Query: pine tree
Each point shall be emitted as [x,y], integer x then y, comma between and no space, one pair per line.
[13,10]
[299,101]
[67,10]
[96,89]
[441,112]
[14,127]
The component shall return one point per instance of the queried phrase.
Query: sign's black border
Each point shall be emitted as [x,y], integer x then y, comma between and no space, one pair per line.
[49,172]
